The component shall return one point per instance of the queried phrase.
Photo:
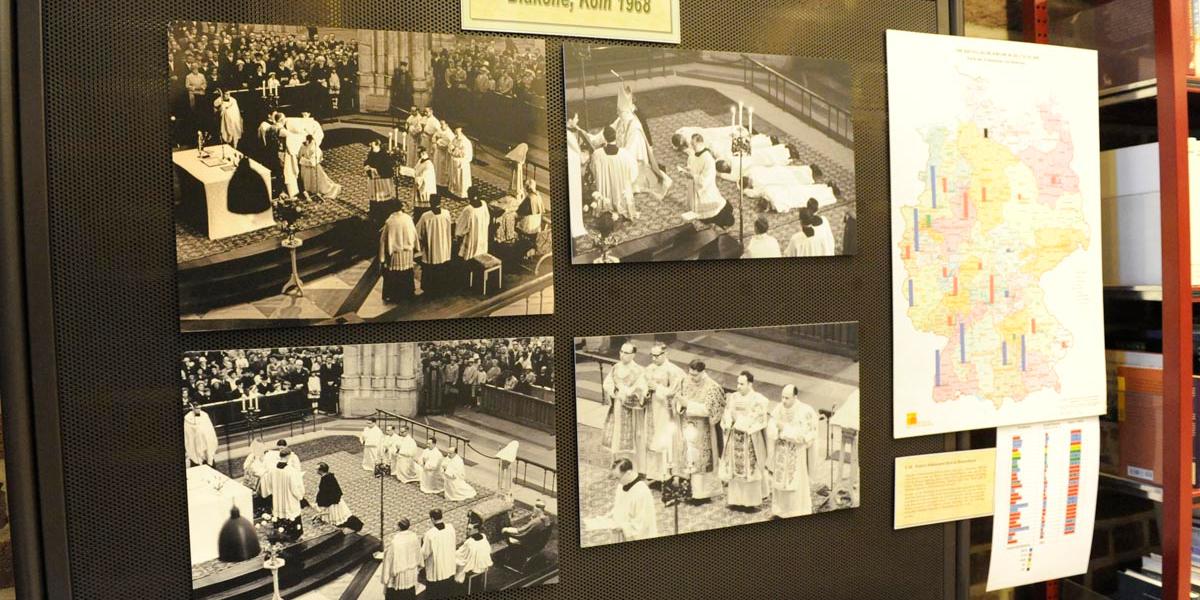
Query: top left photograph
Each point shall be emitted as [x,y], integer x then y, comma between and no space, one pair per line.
[327,175]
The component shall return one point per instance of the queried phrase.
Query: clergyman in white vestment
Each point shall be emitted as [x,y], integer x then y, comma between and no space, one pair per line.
[431,469]
[199,437]
[401,562]
[370,437]
[793,431]
[441,560]
[454,474]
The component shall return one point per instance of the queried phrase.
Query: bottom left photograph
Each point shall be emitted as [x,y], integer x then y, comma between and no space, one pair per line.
[400,470]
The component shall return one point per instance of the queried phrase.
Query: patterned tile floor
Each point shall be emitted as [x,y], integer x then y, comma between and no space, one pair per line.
[596,492]
[661,215]
[361,492]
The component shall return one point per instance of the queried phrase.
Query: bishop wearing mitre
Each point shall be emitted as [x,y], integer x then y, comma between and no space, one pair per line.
[199,437]
[371,437]
[625,391]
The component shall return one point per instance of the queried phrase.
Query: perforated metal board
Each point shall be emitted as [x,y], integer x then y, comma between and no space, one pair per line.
[117,339]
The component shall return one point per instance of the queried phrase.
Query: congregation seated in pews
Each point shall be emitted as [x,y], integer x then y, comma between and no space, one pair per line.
[259,70]
[232,385]
[497,91]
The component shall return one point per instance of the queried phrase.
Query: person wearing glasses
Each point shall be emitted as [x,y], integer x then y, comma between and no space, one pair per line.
[663,379]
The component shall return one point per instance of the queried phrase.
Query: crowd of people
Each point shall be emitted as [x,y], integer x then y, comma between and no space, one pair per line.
[475,73]
[275,476]
[677,430]
[459,370]
[248,375]
[259,69]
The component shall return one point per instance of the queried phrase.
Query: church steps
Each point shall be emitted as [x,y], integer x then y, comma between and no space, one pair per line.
[364,577]
[248,276]
[323,561]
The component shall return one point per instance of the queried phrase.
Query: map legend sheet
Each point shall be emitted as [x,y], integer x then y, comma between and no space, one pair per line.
[1046,480]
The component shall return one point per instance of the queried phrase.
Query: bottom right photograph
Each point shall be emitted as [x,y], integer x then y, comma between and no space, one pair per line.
[694,430]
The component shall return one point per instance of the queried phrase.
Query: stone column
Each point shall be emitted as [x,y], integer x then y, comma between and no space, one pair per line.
[379,376]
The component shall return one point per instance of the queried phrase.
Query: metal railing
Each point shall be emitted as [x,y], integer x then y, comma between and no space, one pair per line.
[798,100]
[547,483]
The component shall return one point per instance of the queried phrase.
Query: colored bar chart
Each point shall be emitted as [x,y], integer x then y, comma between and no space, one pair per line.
[1016,498]
[1073,469]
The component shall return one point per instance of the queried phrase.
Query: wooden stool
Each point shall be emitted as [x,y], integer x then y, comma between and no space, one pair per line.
[486,264]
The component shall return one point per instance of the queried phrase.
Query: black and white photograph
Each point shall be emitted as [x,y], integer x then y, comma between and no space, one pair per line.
[328,175]
[677,155]
[401,470]
[690,431]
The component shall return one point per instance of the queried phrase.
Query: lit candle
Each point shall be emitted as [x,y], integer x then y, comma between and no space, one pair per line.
[739,112]
[390,147]
[751,120]
[732,118]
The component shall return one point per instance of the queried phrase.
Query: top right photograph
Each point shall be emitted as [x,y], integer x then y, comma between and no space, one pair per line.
[676,155]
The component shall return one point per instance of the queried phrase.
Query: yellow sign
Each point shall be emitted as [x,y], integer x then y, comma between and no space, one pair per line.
[949,486]
[641,20]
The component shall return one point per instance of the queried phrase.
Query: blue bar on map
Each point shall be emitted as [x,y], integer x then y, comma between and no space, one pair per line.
[1004,353]
[910,292]
[933,183]
[962,342]
[937,367]
[1022,352]
[916,231]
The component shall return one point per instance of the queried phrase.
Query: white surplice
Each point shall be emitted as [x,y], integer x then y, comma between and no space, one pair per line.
[706,198]
[435,234]
[633,511]
[370,437]
[462,152]
[404,454]
[286,487]
[615,170]
[199,438]
[431,471]
[454,473]
[472,226]
[401,561]
[425,180]
[437,548]
[474,556]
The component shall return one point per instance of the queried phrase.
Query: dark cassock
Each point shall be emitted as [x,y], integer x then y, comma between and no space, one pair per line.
[329,500]
[397,240]
[381,188]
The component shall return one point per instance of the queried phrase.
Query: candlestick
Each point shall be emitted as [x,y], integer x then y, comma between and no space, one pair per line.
[390,147]
[740,116]
[732,118]
[751,120]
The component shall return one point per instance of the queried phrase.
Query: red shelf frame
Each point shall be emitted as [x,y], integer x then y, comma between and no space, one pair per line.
[1172,32]
[1172,37]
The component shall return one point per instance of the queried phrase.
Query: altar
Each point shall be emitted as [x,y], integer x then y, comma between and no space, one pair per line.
[203,192]
[210,496]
